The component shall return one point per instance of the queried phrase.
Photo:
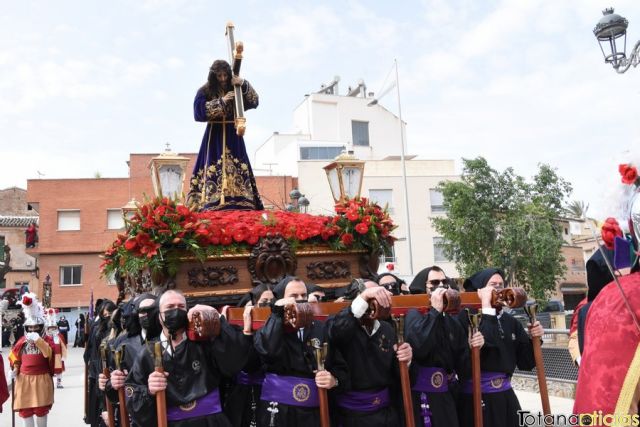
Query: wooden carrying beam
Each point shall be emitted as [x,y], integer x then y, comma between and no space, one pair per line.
[400,305]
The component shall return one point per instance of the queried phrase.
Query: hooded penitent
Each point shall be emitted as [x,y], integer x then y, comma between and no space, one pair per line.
[481,278]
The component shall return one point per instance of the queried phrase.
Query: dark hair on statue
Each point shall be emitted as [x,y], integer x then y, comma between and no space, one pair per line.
[212,88]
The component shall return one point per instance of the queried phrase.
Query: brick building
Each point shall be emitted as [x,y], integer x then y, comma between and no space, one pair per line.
[79,218]
[15,217]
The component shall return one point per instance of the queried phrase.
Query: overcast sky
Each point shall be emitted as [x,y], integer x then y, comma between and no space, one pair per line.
[84,83]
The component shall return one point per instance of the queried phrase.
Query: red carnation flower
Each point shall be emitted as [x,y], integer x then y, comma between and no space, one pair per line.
[347,239]
[362,228]
[610,229]
[352,215]
[628,173]
[26,300]
[390,267]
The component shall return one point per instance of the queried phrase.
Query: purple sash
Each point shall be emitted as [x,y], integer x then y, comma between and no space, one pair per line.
[250,378]
[431,380]
[294,391]
[208,404]
[364,401]
[490,382]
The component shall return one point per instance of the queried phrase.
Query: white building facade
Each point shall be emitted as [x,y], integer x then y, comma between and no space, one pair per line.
[326,124]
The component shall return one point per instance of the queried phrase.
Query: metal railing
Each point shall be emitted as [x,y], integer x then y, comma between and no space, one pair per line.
[558,364]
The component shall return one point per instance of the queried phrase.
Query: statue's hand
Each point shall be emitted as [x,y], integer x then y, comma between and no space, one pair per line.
[228,97]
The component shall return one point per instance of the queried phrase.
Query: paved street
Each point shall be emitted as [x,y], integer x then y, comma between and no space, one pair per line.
[68,407]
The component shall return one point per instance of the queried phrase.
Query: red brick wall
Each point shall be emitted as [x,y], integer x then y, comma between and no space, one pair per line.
[75,296]
[274,190]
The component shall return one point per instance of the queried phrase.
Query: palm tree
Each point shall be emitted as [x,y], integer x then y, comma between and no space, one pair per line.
[576,209]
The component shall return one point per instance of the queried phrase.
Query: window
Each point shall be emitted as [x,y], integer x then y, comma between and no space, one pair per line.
[68,220]
[70,275]
[320,153]
[114,219]
[389,256]
[111,279]
[438,250]
[360,133]
[382,198]
[437,201]
[1,248]
[19,285]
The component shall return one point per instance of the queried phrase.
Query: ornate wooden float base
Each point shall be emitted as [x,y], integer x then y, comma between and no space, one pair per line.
[225,278]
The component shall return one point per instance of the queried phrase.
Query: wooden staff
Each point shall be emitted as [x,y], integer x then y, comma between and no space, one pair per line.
[16,367]
[474,323]
[161,399]
[105,372]
[405,382]
[86,391]
[124,416]
[321,355]
[537,354]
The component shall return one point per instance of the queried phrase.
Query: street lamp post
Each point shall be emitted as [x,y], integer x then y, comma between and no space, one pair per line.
[611,32]
[299,203]
[46,300]
[405,193]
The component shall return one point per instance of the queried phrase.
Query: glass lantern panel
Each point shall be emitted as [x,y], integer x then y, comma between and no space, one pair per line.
[351,178]
[171,180]
[334,183]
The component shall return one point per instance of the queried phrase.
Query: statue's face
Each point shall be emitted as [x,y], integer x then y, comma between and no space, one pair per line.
[222,78]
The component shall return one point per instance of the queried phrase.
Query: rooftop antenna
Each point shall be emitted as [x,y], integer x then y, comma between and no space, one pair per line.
[40,174]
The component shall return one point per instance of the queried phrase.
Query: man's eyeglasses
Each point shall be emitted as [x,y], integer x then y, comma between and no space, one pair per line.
[438,282]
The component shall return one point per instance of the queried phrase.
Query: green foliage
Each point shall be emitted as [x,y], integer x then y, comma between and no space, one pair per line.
[499,219]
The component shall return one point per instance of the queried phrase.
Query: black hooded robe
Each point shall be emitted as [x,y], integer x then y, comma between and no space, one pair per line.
[195,369]
[438,341]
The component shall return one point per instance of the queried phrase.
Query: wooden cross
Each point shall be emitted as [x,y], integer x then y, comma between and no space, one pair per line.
[235,59]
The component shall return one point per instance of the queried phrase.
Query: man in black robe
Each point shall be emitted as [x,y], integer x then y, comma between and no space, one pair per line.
[140,322]
[99,331]
[289,392]
[506,345]
[371,354]
[192,370]
[440,354]
[243,392]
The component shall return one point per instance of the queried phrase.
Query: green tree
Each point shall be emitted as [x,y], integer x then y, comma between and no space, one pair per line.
[499,219]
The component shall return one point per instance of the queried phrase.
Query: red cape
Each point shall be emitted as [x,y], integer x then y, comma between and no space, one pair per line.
[610,366]
[4,390]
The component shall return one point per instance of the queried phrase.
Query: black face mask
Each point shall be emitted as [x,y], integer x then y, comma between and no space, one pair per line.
[301,301]
[266,303]
[145,322]
[175,320]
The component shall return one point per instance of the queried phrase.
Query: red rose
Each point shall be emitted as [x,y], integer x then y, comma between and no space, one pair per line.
[347,239]
[390,267]
[610,229]
[629,173]
[26,300]
[362,228]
